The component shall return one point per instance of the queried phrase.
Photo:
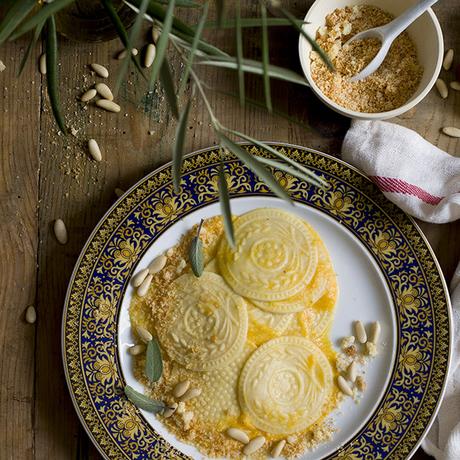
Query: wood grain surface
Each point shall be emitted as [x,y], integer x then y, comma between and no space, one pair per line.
[44,176]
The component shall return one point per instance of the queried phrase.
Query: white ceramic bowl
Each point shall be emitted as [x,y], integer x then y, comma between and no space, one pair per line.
[425,32]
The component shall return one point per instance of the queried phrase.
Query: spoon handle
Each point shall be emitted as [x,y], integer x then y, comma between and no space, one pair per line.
[398,25]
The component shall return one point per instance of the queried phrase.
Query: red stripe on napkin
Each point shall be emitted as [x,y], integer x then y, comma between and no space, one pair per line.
[389,184]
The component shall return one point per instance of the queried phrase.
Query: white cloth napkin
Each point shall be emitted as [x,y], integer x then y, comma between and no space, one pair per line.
[425,182]
[421,179]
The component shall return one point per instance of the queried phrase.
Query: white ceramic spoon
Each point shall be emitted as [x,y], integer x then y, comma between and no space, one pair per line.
[387,34]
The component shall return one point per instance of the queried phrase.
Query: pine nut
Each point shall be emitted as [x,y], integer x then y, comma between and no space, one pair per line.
[238,435]
[442,88]
[42,64]
[85,97]
[155,34]
[145,285]
[157,264]
[110,106]
[122,54]
[375,332]
[190,394]
[60,231]
[352,371]
[94,150]
[170,410]
[279,446]
[104,91]
[455,85]
[253,445]
[180,389]
[119,192]
[100,70]
[139,277]
[451,131]
[187,418]
[150,53]
[2,66]
[343,386]
[31,314]
[181,408]
[360,332]
[448,59]
[136,349]
[144,334]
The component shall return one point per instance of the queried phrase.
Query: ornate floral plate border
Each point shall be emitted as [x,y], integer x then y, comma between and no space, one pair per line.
[105,266]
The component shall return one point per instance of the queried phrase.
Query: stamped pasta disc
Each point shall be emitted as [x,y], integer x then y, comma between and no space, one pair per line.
[274,258]
[276,322]
[207,325]
[284,384]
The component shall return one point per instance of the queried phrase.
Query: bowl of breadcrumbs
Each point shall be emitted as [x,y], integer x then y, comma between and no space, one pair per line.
[406,75]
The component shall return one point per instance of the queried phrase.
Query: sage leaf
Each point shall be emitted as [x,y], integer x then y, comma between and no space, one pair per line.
[196,254]
[153,361]
[144,402]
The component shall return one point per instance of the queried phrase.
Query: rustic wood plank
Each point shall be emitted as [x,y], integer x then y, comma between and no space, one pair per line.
[19,145]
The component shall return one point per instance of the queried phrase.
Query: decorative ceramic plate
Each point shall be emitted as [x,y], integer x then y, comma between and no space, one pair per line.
[385,269]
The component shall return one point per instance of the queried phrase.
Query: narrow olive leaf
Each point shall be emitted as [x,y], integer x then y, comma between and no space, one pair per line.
[178,149]
[33,41]
[310,40]
[153,361]
[258,169]
[52,72]
[196,254]
[14,17]
[266,57]
[135,30]
[162,43]
[203,46]
[250,22]
[50,9]
[144,402]
[239,53]
[122,33]
[193,49]
[182,3]
[313,177]
[256,67]
[168,85]
[224,200]
[290,170]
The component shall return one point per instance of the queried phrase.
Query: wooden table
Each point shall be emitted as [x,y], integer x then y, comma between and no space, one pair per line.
[44,176]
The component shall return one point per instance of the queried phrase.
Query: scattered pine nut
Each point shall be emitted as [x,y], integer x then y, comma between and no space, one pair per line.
[343,386]
[100,70]
[448,59]
[104,91]
[253,445]
[375,332]
[157,264]
[110,106]
[181,408]
[451,131]
[42,64]
[31,314]
[155,34]
[123,53]
[139,277]
[278,448]
[352,371]
[2,66]
[455,85]
[360,332]
[238,435]
[190,394]
[60,231]
[136,349]
[170,410]
[145,285]
[442,88]
[371,349]
[150,53]
[88,95]
[187,418]
[119,192]
[144,334]
[94,150]
[181,388]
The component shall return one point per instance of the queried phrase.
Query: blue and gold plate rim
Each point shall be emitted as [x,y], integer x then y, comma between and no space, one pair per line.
[142,214]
